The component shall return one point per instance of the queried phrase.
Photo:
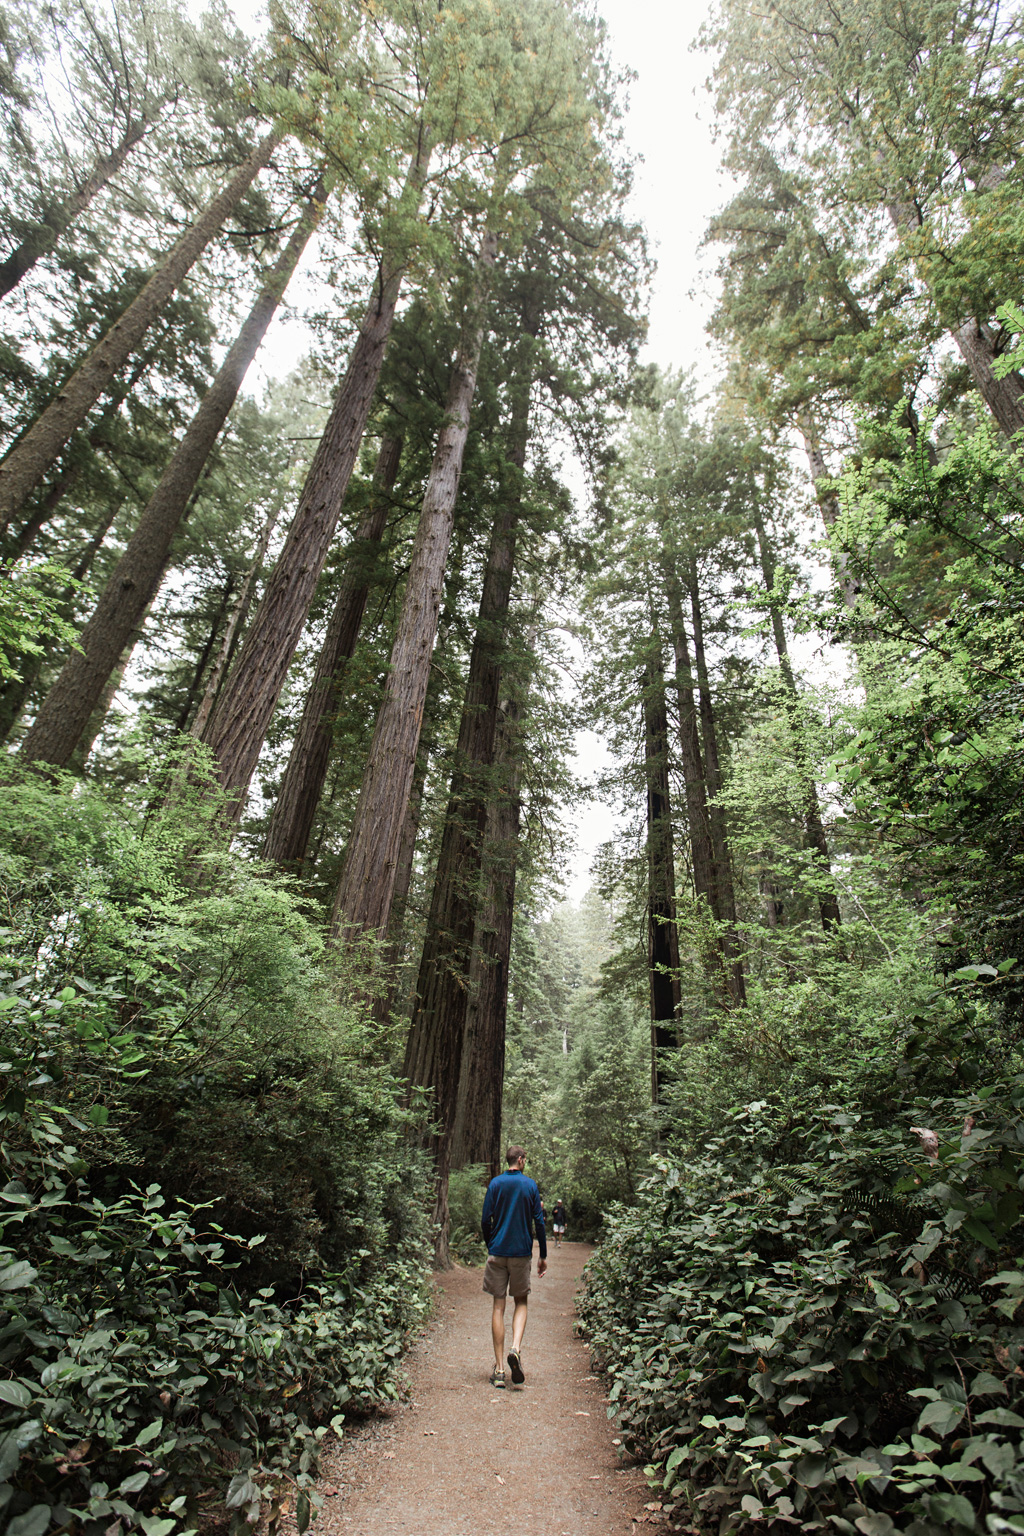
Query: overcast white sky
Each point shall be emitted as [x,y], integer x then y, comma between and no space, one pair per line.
[678,188]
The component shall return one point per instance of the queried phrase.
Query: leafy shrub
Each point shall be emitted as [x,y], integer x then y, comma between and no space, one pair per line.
[179,1065]
[140,1386]
[466,1189]
[814,1327]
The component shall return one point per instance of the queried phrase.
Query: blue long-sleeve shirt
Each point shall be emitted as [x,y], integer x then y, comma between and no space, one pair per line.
[511,1205]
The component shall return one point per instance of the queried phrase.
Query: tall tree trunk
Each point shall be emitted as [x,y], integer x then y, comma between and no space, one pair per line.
[719,831]
[303,782]
[365,891]
[60,218]
[72,463]
[974,338]
[15,693]
[386,1001]
[97,719]
[435,1044]
[828,905]
[697,813]
[131,588]
[203,659]
[662,932]
[31,456]
[477,1134]
[233,628]
[240,722]
[1004,397]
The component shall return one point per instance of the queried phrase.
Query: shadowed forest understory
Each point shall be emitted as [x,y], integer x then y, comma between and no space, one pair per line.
[293,687]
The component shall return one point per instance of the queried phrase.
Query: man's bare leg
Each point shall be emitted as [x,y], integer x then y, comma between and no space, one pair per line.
[519,1321]
[498,1332]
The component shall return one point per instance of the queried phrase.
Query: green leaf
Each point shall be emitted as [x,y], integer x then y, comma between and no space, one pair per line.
[32,1523]
[15,1392]
[99,1114]
[1004,1417]
[952,1507]
[941,1416]
[156,1525]
[17,1276]
[980,1233]
[987,1385]
[149,1433]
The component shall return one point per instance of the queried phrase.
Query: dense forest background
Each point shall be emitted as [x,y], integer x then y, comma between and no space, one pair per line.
[290,683]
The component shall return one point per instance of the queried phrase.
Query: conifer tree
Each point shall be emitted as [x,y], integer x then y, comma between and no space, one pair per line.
[363,900]
[130,590]
[28,460]
[864,94]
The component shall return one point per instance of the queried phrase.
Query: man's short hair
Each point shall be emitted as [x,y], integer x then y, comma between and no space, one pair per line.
[513,1154]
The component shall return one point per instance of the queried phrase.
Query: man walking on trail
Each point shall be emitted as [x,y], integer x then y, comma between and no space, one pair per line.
[511,1211]
[558,1219]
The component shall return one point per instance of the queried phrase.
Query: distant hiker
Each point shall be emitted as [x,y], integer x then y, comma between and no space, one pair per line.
[558,1220]
[512,1209]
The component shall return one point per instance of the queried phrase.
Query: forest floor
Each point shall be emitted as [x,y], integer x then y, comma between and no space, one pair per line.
[459,1458]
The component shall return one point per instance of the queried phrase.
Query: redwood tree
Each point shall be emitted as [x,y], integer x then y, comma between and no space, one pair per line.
[31,456]
[70,702]
[363,901]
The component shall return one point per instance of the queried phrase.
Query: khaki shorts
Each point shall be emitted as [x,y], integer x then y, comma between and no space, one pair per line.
[504,1277]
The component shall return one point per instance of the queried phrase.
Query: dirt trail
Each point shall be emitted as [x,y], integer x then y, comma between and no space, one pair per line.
[462,1459]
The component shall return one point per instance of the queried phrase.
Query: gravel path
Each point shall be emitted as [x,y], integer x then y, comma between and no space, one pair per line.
[461,1459]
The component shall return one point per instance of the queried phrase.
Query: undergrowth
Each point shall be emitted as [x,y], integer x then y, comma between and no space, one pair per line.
[212,1231]
[812,1326]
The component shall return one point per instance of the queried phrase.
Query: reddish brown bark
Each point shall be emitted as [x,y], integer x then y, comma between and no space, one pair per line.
[131,588]
[246,706]
[434,1047]
[697,814]
[32,455]
[232,629]
[726,898]
[662,933]
[365,891]
[304,777]
[476,1137]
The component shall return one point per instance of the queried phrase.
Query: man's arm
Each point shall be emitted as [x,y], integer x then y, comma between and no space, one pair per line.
[487,1218]
[542,1237]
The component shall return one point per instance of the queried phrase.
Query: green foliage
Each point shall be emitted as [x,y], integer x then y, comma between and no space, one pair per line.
[31,616]
[935,762]
[179,1066]
[466,1189]
[811,1325]
[577,1083]
[1012,317]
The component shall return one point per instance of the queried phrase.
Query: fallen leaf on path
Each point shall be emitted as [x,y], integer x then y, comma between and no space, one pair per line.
[329,1493]
[595,1477]
[581,1415]
[501,1480]
[389,1455]
[430,1431]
